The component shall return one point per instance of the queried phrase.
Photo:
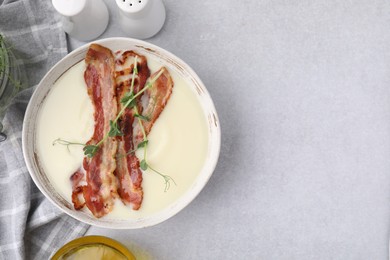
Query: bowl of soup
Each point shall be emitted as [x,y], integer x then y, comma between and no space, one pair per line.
[121,134]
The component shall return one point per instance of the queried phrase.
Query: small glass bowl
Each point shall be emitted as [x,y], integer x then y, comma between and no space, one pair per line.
[91,247]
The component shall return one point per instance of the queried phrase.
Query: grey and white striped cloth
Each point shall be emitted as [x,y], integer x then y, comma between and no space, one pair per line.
[30,226]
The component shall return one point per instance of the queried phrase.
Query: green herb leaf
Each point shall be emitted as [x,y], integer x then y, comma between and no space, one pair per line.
[90,150]
[132,104]
[145,118]
[127,97]
[143,164]
[142,144]
[114,129]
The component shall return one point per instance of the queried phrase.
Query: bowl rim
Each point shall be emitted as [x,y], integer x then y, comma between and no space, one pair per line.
[93,240]
[181,202]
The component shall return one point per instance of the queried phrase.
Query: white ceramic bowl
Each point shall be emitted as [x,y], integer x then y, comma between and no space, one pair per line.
[29,133]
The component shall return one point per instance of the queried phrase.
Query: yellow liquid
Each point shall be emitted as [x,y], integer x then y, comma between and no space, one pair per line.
[96,252]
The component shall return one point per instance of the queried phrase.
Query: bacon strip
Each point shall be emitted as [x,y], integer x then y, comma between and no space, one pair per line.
[77,189]
[158,96]
[101,188]
[114,169]
[127,171]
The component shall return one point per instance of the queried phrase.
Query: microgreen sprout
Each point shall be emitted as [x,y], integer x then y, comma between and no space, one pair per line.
[144,165]
[145,118]
[64,142]
[89,150]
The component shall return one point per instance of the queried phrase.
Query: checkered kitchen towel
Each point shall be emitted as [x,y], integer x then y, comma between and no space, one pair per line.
[30,226]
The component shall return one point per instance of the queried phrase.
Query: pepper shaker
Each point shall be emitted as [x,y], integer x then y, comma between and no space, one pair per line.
[141,19]
[83,19]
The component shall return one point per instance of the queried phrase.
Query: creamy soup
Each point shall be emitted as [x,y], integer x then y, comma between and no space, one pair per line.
[177,143]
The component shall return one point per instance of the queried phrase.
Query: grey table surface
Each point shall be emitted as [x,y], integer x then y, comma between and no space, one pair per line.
[303,94]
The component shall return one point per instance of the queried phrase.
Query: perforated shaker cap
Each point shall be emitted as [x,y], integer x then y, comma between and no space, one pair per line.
[132,6]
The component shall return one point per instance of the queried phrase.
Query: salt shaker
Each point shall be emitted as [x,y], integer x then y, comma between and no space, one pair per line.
[83,19]
[141,19]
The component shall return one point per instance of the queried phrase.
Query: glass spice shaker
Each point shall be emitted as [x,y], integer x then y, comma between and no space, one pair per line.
[141,19]
[83,20]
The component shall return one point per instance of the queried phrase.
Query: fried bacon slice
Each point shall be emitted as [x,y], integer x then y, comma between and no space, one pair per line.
[157,97]
[101,188]
[77,189]
[128,168]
